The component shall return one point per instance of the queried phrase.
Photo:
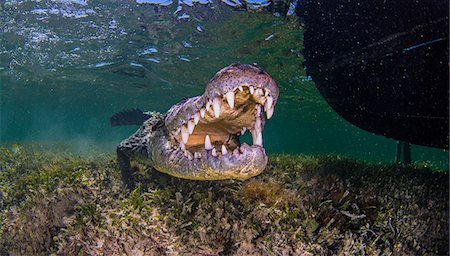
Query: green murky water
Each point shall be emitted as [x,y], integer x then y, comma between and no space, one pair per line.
[66,67]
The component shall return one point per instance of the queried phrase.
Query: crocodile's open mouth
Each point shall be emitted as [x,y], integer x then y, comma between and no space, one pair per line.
[216,127]
[204,131]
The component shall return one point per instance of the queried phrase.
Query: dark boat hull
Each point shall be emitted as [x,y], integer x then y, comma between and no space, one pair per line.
[382,65]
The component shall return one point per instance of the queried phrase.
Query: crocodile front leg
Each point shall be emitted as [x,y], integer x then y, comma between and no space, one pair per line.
[136,147]
[133,148]
[123,158]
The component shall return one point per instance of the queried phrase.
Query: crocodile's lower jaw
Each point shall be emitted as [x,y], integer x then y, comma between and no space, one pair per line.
[248,164]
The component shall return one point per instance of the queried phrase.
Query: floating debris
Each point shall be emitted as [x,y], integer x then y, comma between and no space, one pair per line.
[101,64]
[155,60]
[269,37]
[39,11]
[183,16]
[188,2]
[187,44]
[250,4]
[306,78]
[292,7]
[232,3]
[75,49]
[256,4]
[80,2]
[179,8]
[112,23]
[136,64]
[149,50]
[67,13]
[159,2]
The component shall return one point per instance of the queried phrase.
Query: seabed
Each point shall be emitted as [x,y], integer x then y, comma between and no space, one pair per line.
[63,204]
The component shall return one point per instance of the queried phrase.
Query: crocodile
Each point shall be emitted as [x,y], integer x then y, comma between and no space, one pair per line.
[198,138]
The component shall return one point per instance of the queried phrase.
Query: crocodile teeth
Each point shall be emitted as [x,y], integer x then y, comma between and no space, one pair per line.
[208,105]
[182,146]
[269,113]
[202,112]
[188,154]
[257,134]
[252,89]
[191,126]
[241,88]
[214,152]
[230,98]
[258,124]
[258,110]
[243,131]
[208,145]
[224,150]
[217,102]
[269,103]
[184,134]
[196,118]
[198,155]
[259,139]
[259,92]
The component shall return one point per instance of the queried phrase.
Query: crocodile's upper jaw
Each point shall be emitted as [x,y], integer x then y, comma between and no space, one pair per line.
[203,132]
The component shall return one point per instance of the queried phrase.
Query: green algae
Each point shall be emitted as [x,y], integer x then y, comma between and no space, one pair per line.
[69,205]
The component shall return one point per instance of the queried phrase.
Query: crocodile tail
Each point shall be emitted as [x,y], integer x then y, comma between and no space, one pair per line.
[129,117]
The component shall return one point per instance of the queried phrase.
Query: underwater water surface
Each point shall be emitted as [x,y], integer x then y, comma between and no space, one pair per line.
[67,66]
